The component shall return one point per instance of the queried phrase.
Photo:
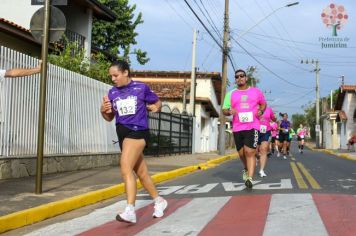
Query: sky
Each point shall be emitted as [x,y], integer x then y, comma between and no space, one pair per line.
[263,34]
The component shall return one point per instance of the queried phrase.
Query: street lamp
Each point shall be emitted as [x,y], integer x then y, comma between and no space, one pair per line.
[288,5]
[317,126]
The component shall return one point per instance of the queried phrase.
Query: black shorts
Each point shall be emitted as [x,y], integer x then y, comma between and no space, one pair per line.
[248,138]
[283,137]
[264,137]
[273,139]
[124,132]
[299,138]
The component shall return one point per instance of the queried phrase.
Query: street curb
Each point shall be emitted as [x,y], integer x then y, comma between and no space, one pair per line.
[29,216]
[342,155]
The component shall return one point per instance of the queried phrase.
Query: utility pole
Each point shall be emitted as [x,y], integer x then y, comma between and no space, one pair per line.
[192,90]
[224,79]
[192,77]
[42,102]
[317,112]
[317,128]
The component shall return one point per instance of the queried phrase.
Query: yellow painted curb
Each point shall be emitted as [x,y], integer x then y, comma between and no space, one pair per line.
[29,216]
[343,155]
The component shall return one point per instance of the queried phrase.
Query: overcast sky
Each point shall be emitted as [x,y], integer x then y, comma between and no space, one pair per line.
[275,46]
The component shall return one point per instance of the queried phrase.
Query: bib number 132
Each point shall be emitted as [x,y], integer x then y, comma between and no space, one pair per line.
[126,107]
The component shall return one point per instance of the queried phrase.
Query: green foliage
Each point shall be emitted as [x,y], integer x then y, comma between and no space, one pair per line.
[74,59]
[71,57]
[117,37]
[298,119]
[251,73]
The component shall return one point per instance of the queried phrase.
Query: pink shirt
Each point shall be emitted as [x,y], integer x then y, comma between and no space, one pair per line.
[266,119]
[274,127]
[246,103]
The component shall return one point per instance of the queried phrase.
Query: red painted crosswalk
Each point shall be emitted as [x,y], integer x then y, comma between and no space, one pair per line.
[276,214]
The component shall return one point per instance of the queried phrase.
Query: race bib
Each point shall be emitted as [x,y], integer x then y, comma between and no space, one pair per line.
[301,136]
[245,117]
[126,106]
[285,131]
[263,129]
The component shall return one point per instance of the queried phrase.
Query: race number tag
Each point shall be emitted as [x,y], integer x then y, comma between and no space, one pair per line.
[126,106]
[301,136]
[245,117]
[263,129]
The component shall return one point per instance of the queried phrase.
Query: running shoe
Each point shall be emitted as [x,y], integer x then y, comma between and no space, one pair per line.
[248,182]
[159,208]
[278,154]
[262,173]
[128,216]
[284,157]
[244,174]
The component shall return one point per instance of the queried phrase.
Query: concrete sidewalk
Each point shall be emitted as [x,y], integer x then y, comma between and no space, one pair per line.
[17,195]
[342,153]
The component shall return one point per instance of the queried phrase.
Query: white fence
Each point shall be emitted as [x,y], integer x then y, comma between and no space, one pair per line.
[73,121]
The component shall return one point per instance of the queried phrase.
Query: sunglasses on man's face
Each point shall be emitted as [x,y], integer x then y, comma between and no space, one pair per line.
[240,76]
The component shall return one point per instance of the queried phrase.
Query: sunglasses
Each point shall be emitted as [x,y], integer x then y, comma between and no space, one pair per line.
[240,76]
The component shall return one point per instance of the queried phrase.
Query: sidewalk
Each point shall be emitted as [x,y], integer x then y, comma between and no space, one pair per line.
[342,153]
[17,195]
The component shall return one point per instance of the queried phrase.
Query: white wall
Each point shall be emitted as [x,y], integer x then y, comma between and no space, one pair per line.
[205,88]
[78,20]
[18,11]
[348,107]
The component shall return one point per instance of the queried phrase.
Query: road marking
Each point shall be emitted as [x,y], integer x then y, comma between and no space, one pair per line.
[309,177]
[293,159]
[298,176]
[190,219]
[293,214]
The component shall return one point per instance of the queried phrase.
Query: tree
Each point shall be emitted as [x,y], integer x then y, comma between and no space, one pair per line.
[117,37]
[298,119]
[334,16]
[251,74]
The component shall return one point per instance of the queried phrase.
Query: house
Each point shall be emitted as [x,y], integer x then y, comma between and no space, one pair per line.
[15,18]
[169,86]
[339,123]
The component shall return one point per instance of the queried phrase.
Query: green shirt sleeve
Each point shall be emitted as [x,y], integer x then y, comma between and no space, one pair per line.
[227,100]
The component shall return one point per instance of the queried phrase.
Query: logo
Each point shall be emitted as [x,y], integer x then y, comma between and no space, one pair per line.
[334,17]
[244,98]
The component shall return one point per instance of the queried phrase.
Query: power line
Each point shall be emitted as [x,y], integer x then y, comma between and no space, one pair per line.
[208,31]
[272,72]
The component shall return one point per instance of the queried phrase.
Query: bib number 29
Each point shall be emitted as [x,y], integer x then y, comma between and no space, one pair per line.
[245,117]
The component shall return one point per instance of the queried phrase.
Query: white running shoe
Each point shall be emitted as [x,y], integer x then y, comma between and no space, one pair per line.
[284,157]
[262,174]
[278,154]
[159,208]
[128,216]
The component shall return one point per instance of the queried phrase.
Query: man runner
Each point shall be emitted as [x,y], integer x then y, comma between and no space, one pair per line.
[247,105]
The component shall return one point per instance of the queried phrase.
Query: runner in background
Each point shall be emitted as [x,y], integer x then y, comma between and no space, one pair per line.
[284,127]
[290,138]
[274,139]
[264,138]
[301,132]
[246,105]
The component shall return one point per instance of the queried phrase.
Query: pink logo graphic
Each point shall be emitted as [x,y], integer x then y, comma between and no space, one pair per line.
[334,16]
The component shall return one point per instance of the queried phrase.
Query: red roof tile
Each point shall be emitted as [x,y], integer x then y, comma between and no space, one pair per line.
[350,88]
[14,24]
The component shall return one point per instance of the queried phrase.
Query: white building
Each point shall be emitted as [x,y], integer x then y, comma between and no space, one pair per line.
[340,123]
[169,86]
[15,18]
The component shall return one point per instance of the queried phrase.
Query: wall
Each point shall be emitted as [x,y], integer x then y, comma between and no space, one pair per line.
[24,167]
[348,107]
[20,45]
[18,11]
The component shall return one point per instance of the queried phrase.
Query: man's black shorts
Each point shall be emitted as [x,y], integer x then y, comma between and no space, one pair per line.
[124,132]
[248,138]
